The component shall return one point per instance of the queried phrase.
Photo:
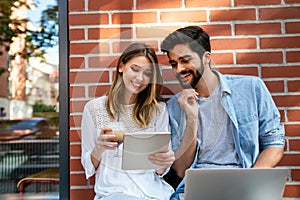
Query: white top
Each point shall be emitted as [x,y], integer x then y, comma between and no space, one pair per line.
[110,178]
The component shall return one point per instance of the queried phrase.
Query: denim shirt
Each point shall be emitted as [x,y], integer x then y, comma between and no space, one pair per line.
[254,116]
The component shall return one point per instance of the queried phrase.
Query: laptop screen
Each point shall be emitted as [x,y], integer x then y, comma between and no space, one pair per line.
[235,184]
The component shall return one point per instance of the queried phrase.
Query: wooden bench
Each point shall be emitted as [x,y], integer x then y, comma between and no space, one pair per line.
[46,176]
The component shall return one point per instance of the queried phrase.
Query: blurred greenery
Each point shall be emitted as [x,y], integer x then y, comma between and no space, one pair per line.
[37,41]
[41,107]
[46,111]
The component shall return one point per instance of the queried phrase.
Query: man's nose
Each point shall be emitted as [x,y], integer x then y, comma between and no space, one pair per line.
[180,67]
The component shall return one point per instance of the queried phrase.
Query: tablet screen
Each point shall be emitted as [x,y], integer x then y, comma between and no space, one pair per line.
[139,145]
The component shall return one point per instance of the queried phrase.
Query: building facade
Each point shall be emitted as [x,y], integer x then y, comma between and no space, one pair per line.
[260,38]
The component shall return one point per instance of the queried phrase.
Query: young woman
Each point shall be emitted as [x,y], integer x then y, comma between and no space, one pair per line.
[134,99]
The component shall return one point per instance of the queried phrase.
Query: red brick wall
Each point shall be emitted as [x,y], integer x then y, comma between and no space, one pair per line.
[260,38]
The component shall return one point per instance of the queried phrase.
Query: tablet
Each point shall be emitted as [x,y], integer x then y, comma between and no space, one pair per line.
[138,146]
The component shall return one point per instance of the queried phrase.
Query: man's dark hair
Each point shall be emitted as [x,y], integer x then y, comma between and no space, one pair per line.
[194,36]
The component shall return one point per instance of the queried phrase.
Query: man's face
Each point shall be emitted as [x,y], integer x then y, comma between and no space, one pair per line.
[187,65]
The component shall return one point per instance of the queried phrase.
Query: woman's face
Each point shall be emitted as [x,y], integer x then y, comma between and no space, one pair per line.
[137,74]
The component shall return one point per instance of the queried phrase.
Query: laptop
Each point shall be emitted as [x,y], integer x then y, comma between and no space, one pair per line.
[235,184]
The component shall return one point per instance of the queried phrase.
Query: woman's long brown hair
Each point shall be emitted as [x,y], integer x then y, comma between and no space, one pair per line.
[147,99]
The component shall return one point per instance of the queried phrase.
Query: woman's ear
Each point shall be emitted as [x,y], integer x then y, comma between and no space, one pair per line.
[121,66]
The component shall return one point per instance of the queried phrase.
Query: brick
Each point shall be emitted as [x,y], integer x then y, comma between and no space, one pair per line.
[109,33]
[76,5]
[280,42]
[257,28]
[103,61]
[221,59]
[256,2]
[292,129]
[287,100]
[134,17]
[77,106]
[234,43]
[279,13]
[168,75]
[75,136]
[183,16]
[76,34]
[294,86]
[77,91]
[259,58]
[88,19]
[89,77]
[291,1]
[76,63]
[96,91]
[292,191]
[154,31]
[294,115]
[171,89]
[89,48]
[110,5]
[75,164]
[232,15]
[293,56]
[295,173]
[75,121]
[292,27]
[280,72]
[294,145]
[217,29]
[75,150]
[154,4]
[252,71]
[275,86]
[282,116]
[163,60]
[79,194]
[290,160]
[206,4]
[119,46]
[78,180]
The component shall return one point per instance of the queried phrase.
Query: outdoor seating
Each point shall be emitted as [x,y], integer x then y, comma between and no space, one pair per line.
[46,176]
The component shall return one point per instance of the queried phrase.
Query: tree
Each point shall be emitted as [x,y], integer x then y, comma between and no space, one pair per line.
[22,43]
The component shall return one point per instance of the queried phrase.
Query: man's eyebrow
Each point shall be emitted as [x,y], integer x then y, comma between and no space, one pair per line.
[184,57]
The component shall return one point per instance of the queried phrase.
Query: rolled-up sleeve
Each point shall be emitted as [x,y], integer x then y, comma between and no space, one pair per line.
[88,142]
[271,131]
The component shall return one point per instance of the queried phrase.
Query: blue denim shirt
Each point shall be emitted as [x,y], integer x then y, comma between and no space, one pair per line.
[254,116]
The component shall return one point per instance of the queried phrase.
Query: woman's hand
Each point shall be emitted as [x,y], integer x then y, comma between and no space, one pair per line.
[164,159]
[105,141]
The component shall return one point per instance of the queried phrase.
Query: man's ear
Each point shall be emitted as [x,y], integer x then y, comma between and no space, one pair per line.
[206,57]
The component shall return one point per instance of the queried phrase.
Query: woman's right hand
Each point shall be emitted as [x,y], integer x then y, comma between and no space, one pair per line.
[106,140]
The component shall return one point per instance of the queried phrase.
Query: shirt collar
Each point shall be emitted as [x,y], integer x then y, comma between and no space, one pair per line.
[223,82]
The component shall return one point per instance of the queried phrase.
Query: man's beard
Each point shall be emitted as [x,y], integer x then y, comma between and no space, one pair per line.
[196,78]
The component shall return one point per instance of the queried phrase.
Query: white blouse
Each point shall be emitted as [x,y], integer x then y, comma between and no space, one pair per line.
[110,178]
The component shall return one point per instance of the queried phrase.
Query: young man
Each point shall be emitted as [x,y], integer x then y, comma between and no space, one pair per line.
[218,121]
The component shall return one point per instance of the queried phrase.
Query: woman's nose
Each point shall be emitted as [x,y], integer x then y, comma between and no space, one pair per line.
[139,76]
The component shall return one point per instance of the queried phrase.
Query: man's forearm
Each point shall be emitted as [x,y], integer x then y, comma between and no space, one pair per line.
[269,157]
[185,154]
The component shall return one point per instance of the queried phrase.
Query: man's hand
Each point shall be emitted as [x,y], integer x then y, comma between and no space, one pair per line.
[187,101]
